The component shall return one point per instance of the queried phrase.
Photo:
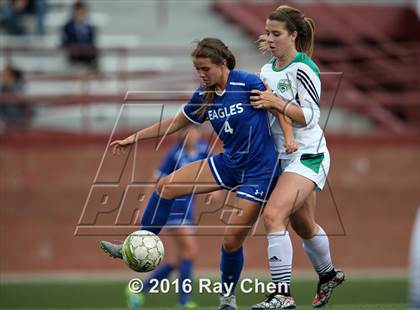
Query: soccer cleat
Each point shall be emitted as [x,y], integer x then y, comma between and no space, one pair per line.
[324,290]
[276,301]
[113,250]
[227,302]
[134,301]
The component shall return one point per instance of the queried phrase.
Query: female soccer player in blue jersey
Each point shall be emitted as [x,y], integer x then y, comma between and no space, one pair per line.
[187,149]
[248,164]
[294,89]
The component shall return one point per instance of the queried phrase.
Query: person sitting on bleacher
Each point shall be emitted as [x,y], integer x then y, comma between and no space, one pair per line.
[78,36]
[11,16]
[14,12]
[13,115]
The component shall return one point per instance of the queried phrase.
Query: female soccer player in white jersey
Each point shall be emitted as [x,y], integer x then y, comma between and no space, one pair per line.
[248,164]
[293,95]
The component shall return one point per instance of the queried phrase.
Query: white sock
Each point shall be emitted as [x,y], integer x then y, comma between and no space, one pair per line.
[280,254]
[318,251]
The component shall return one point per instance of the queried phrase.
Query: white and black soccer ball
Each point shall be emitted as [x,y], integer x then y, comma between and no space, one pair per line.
[142,251]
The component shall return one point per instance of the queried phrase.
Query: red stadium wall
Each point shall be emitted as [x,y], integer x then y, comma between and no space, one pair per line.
[44,187]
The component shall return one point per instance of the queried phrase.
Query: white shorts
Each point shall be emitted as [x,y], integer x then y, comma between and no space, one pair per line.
[315,167]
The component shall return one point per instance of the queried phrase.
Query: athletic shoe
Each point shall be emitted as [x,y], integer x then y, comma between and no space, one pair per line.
[227,302]
[276,301]
[134,301]
[113,250]
[324,290]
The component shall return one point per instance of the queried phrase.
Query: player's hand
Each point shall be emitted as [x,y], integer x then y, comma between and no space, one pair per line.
[119,145]
[290,145]
[264,99]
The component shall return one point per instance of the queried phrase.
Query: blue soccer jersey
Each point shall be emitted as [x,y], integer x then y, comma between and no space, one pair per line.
[249,151]
[182,210]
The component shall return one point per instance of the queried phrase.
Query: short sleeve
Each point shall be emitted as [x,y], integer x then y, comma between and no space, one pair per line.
[195,103]
[254,82]
[309,91]
[168,164]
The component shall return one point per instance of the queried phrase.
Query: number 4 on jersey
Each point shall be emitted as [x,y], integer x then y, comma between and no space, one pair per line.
[227,128]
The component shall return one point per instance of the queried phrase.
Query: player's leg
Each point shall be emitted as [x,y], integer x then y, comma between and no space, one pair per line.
[289,194]
[315,240]
[193,178]
[303,219]
[187,251]
[232,258]
[317,248]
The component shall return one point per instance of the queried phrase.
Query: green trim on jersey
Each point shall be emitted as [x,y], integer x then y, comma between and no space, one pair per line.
[275,69]
[299,57]
[308,61]
[312,161]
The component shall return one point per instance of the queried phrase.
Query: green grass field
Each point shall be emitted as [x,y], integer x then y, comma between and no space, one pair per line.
[353,294]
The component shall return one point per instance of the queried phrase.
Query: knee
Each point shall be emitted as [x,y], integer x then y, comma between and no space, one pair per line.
[162,188]
[273,220]
[160,185]
[232,243]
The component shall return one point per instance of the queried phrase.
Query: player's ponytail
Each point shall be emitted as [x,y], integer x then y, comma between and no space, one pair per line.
[306,38]
[218,52]
[294,21]
[230,59]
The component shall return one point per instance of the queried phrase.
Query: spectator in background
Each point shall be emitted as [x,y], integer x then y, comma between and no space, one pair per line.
[13,115]
[38,8]
[12,15]
[78,36]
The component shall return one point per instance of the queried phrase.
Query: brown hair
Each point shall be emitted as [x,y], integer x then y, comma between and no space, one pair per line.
[218,52]
[79,5]
[295,21]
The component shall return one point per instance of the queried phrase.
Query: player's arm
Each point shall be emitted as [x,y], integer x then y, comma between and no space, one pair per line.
[285,122]
[268,100]
[306,111]
[157,130]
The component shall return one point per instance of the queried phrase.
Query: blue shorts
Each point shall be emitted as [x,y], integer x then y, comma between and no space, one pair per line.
[182,212]
[254,184]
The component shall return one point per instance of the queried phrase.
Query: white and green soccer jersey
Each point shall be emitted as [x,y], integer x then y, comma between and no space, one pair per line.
[299,83]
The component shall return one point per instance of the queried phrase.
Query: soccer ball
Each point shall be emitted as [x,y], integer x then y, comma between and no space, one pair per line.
[142,251]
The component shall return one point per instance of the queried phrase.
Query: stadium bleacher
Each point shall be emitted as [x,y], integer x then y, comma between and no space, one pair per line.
[364,52]
[376,48]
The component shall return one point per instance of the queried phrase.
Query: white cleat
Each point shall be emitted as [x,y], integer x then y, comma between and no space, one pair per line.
[276,301]
[113,250]
[227,302]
